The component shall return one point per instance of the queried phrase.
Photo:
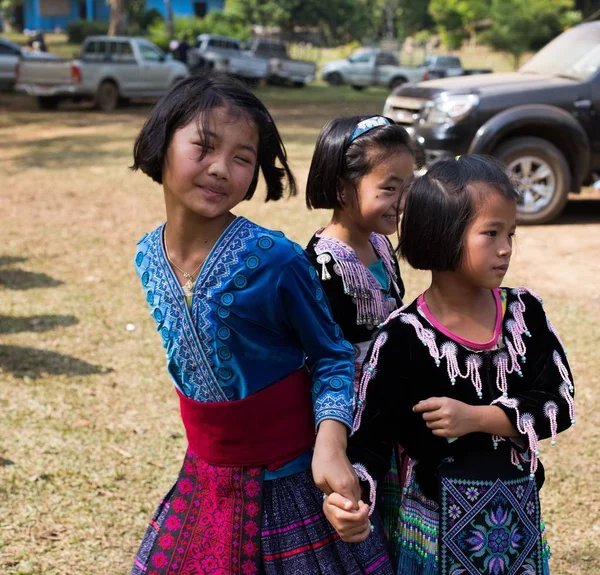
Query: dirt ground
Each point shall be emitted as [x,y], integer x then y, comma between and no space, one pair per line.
[90,437]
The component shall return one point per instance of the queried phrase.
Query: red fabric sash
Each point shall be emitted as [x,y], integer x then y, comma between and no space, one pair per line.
[266,429]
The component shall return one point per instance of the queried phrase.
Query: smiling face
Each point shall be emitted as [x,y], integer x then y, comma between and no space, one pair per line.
[210,181]
[488,239]
[379,194]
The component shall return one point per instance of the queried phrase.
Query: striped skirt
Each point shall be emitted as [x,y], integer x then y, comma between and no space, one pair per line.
[298,540]
[210,523]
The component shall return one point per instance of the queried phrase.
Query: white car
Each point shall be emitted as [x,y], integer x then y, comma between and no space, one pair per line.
[10,55]
[111,68]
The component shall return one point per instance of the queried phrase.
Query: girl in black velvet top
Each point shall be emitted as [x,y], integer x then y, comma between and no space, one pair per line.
[467,378]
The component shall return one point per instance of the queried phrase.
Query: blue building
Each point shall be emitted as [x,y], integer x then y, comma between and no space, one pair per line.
[51,14]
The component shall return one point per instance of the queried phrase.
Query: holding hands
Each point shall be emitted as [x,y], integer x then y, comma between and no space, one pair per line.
[447,417]
[352,525]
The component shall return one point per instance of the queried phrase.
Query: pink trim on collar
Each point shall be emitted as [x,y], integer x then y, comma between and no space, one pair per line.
[422,305]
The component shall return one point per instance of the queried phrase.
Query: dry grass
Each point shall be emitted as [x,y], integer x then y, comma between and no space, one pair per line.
[90,437]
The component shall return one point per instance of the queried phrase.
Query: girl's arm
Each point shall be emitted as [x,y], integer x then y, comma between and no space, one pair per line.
[541,404]
[330,359]
[451,418]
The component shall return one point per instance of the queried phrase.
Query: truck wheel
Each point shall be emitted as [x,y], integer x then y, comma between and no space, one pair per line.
[334,79]
[358,88]
[395,82]
[107,97]
[543,176]
[48,102]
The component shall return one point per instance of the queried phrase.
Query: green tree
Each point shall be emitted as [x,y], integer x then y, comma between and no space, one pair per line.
[455,19]
[523,25]
[413,17]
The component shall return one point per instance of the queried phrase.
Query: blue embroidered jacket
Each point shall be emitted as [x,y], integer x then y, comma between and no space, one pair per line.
[258,313]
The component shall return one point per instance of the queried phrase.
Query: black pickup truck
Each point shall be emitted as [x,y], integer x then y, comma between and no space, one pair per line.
[543,121]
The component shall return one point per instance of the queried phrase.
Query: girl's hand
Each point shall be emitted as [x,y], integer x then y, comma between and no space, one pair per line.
[330,466]
[448,417]
[353,526]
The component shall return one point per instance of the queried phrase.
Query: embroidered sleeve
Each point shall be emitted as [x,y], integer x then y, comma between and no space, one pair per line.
[541,404]
[330,358]
[371,446]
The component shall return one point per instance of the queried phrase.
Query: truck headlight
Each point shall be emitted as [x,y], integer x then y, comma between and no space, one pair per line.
[449,108]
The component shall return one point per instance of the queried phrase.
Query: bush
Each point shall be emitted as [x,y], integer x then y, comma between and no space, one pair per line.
[79,30]
[149,17]
[213,23]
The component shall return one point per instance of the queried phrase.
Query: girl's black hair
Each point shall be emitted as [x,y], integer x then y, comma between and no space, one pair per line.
[193,98]
[337,162]
[440,205]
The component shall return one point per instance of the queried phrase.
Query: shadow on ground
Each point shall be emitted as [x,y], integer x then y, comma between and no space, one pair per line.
[36,323]
[580,212]
[34,363]
[24,280]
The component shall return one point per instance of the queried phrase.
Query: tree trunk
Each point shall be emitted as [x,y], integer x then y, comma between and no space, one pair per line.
[516,60]
[116,17]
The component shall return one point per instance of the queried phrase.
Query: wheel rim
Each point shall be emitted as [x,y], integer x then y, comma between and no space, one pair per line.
[537,183]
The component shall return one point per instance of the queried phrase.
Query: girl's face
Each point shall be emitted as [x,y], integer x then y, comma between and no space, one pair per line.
[211,186]
[379,194]
[488,240]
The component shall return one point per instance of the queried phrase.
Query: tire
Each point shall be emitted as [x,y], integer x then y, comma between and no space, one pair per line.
[543,175]
[334,79]
[48,102]
[107,96]
[358,88]
[298,84]
[395,82]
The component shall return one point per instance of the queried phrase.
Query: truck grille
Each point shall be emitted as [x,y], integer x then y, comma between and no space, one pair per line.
[404,111]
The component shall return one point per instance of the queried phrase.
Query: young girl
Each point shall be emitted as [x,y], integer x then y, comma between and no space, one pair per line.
[467,378]
[360,169]
[248,335]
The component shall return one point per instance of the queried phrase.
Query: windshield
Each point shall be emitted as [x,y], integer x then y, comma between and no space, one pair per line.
[361,57]
[574,54]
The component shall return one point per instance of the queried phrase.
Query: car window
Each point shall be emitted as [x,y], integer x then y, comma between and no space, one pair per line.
[6,50]
[448,62]
[90,48]
[149,53]
[123,52]
[386,59]
[362,58]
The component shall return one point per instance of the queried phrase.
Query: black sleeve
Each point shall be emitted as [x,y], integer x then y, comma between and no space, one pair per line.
[546,392]
[342,306]
[390,386]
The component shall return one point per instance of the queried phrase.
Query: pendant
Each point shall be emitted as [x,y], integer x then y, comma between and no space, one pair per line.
[189,285]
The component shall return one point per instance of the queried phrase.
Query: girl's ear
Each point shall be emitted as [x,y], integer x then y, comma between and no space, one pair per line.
[343,193]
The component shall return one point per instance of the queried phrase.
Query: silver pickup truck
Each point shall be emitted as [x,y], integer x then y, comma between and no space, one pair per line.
[225,54]
[110,69]
[282,68]
[370,67]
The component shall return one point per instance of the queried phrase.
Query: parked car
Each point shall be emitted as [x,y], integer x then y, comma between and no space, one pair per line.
[282,68]
[370,67]
[442,66]
[225,54]
[10,55]
[110,69]
[543,121]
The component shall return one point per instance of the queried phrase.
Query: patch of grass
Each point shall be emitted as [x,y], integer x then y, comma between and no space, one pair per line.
[90,437]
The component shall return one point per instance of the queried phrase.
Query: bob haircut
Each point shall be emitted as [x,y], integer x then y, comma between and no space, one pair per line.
[337,162]
[441,204]
[191,100]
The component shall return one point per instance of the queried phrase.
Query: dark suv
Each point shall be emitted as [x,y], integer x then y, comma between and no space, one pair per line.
[542,121]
